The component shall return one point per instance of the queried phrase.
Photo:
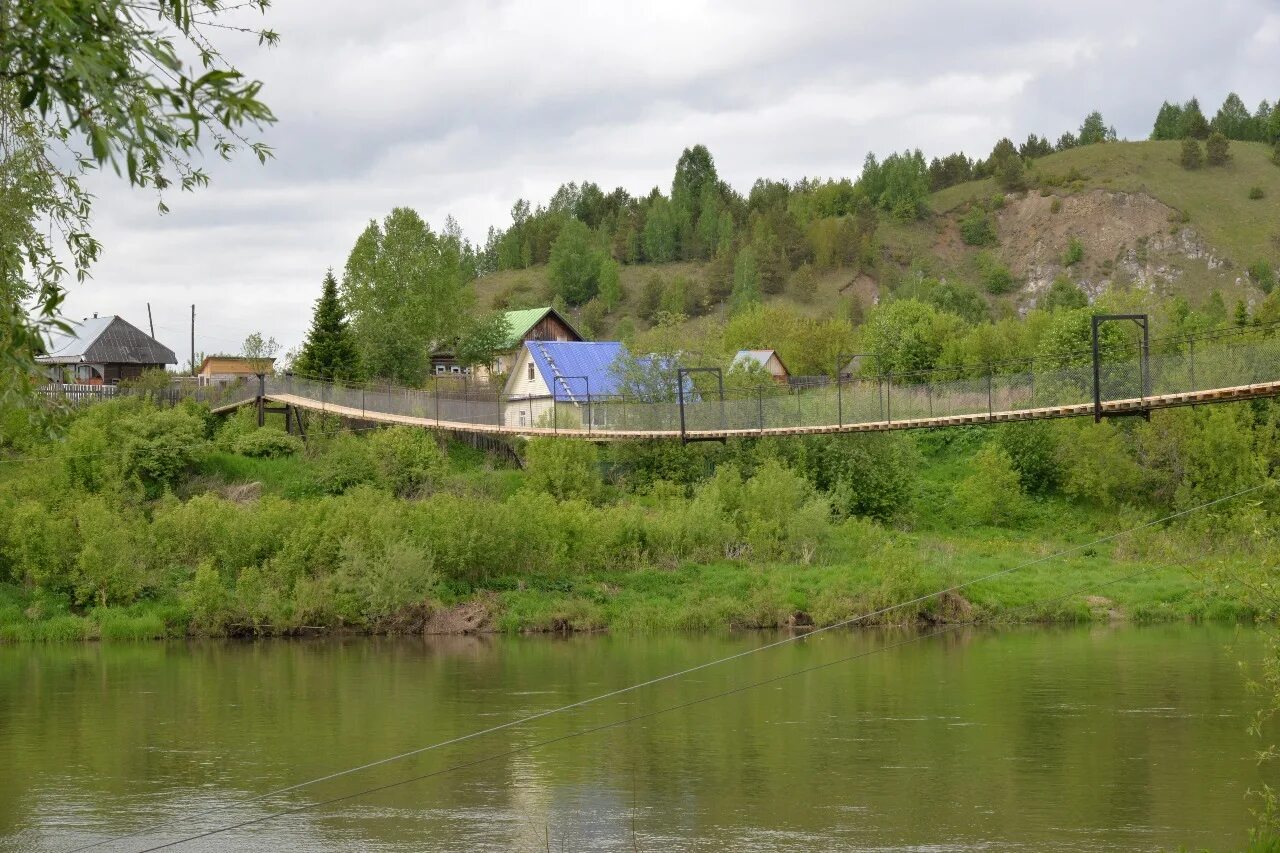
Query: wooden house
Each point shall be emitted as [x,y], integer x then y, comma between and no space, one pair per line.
[103,351]
[766,359]
[228,369]
[529,324]
[558,379]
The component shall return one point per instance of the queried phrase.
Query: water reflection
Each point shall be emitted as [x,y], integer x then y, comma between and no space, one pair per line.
[1039,739]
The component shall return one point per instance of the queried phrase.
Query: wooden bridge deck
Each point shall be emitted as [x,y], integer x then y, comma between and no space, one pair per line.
[1111,407]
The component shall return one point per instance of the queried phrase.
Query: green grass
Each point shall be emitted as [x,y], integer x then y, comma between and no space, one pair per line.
[1216,198]
[289,477]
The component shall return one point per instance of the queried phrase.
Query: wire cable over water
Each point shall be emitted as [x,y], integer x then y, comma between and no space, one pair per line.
[520,721]
[635,718]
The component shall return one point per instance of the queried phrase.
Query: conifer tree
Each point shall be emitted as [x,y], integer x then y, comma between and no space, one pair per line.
[1168,122]
[1217,149]
[329,351]
[1194,124]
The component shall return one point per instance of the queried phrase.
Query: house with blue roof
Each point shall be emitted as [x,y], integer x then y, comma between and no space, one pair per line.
[557,379]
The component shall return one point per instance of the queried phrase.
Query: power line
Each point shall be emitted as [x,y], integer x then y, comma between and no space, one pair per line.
[626,720]
[680,673]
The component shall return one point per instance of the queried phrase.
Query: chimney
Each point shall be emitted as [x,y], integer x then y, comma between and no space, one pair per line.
[95,315]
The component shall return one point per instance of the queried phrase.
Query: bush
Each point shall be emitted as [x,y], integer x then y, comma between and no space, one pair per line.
[1256,193]
[1263,274]
[1055,206]
[1074,253]
[563,468]
[409,460]
[976,228]
[1275,154]
[267,444]
[1032,448]
[864,475]
[346,462]
[996,277]
[1217,149]
[992,494]
[1064,294]
[1192,157]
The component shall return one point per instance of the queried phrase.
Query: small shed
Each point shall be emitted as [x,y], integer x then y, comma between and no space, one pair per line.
[227,369]
[764,358]
[103,351]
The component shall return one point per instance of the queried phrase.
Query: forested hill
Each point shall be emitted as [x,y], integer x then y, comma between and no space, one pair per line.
[1185,225]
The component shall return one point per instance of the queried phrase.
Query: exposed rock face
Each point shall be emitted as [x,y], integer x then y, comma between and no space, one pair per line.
[1126,236]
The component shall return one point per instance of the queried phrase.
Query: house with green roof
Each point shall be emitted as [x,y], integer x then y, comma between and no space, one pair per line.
[526,324]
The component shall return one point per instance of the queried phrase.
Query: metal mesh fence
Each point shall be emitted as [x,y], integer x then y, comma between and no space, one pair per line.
[1219,360]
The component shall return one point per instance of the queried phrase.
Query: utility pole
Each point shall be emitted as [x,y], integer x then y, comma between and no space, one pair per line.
[193,339]
[150,322]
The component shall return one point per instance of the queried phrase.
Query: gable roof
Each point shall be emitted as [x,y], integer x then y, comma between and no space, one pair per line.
[571,369]
[757,356]
[519,323]
[106,340]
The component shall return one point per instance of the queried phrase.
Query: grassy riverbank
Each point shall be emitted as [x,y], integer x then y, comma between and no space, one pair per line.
[142,523]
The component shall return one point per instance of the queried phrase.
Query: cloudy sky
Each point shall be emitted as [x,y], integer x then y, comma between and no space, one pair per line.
[462,107]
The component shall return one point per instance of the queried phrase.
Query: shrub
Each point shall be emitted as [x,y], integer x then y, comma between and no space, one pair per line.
[1074,253]
[1064,294]
[864,475]
[1192,157]
[1217,149]
[1032,448]
[563,468]
[346,462]
[1256,193]
[409,459]
[992,494]
[267,444]
[976,228]
[1263,274]
[1275,154]
[1055,206]
[996,277]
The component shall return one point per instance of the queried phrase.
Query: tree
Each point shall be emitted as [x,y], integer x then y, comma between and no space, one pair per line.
[907,335]
[661,231]
[1217,149]
[804,283]
[610,284]
[746,282]
[140,85]
[481,338]
[575,263]
[1094,130]
[694,192]
[1194,124]
[404,288]
[1168,123]
[720,274]
[651,298]
[900,184]
[260,353]
[1191,157]
[1066,140]
[1233,120]
[1241,316]
[329,351]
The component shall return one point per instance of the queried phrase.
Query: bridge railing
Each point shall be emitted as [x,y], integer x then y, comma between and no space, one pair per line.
[1222,359]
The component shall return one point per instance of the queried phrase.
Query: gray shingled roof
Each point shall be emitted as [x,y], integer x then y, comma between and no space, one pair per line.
[106,340]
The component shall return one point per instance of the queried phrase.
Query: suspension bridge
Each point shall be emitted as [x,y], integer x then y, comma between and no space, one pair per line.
[1211,368]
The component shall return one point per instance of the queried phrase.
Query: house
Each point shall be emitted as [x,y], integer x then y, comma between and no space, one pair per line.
[767,359]
[224,370]
[562,382]
[103,351]
[528,324]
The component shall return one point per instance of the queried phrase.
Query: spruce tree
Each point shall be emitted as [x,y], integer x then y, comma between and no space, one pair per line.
[1168,122]
[1194,124]
[1217,149]
[1192,157]
[329,351]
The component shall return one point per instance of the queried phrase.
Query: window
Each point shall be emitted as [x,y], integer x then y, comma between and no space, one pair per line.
[521,417]
[455,369]
[439,369]
[531,371]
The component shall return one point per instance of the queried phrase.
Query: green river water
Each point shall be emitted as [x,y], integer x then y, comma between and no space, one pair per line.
[1083,738]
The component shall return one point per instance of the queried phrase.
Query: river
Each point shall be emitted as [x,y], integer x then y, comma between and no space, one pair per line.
[1082,738]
